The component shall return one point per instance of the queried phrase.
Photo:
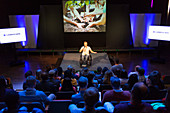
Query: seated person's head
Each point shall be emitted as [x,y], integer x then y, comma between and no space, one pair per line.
[28,73]
[91,75]
[104,70]
[117,72]
[70,68]
[56,71]
[153,78]
[123,74]
[12,100]
[38,74]
[48,68]
[84,72]
[51,73]
[67,85]
[91,97]
[60,71]
[44,76]
[132,80]
[67,74]
[83,82]
[141,71]
[107,76]
[31,81]
[115,82]
[137,67]
[99,70]
[139,91]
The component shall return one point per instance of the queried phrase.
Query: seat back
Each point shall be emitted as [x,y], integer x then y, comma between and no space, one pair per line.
[117,102]
[31,105]
[59,106]
[146,101]
[30,99]
[64,94]
[104,87]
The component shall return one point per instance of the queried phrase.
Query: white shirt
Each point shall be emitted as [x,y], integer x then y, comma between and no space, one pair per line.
[85,50]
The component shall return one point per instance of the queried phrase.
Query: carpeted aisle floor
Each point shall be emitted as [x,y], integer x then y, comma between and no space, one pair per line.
[99,59]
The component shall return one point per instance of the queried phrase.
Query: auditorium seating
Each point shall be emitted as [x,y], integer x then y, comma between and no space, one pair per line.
[59,106]
[102,87]
[31,105]
[64,94]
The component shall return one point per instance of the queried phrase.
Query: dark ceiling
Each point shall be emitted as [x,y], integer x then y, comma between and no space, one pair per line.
[32,6]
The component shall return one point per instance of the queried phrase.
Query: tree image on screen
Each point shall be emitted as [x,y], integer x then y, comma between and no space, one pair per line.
[84,15]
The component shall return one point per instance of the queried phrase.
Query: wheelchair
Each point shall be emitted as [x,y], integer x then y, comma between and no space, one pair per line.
[84,62]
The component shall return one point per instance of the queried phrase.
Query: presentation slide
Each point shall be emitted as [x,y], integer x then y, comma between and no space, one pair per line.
[84,15]
[159,33]
[10,35]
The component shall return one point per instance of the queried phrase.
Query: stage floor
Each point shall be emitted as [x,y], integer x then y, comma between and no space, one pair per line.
[99,59]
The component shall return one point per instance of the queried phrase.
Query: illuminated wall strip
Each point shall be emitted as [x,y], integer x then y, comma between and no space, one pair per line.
[149,20]
[21,23]
[35,21]
[133,26]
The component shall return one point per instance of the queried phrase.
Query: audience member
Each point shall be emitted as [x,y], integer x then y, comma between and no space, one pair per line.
[51,79]
[84,72]
[28,73]
[31,91]
[73,74]
[60,72]
[117,94]
[116,65]
[12,103]
[83,82]
[153,90]
[106,79]
[91,97]
[135,72]
[47,68]
[139,91]
[117,73]
[160,83]
[123,77]
[98,74]
[56,77]
[3,88]
[38,74]
[141,76]
[45,85]
[67,85]
[104,70]
[91,81]
[132,80]
[68,74]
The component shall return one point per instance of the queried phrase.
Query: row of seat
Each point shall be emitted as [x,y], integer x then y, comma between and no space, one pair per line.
[61,106]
